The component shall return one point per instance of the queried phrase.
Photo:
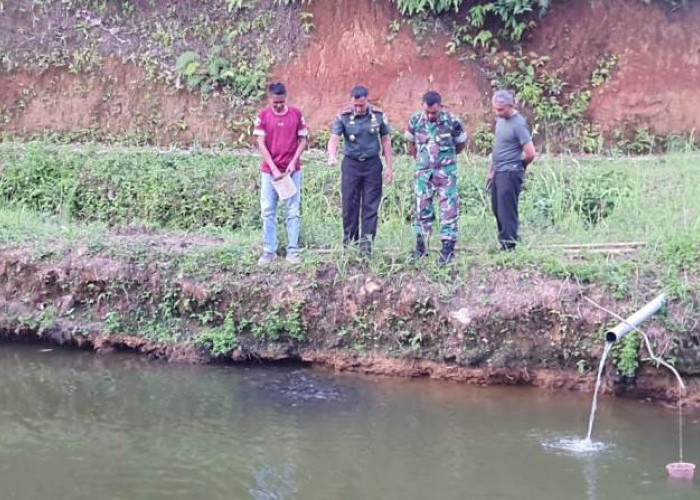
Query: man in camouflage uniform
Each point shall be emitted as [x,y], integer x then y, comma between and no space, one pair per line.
[435,138]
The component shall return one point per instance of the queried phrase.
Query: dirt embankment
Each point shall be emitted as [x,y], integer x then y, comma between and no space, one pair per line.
[351,47]
[655,84]
[117,101]
[658,50]
[486,328]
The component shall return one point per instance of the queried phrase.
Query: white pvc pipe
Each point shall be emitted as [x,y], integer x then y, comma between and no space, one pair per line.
[619,332]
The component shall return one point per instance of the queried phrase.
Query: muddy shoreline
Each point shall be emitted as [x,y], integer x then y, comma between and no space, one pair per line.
[493,328]
[649,385]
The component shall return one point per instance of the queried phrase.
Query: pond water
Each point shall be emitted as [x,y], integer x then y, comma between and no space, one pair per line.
[75,425]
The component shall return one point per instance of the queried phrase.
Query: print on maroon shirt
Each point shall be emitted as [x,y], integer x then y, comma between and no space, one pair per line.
[282,134]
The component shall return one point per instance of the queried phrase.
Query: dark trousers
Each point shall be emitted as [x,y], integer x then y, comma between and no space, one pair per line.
[505,193]
[361,188]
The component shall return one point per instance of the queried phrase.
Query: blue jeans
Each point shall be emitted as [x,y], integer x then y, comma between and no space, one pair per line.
[268,210]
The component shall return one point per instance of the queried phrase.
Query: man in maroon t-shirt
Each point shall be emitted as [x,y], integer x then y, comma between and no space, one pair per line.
[282,136]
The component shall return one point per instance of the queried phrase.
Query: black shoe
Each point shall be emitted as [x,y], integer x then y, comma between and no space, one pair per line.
[366,247]
[447,253]
[507,246]
[421,249]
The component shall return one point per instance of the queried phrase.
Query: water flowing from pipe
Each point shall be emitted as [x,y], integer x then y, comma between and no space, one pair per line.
[594,404]
[657,360]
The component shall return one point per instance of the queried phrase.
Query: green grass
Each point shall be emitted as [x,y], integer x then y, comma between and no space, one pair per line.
[70,194]
[22,226]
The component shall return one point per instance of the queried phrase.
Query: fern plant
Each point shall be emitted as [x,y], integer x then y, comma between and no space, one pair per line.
[412,7]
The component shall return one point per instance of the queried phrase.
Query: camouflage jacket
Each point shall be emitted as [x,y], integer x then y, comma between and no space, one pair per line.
[436,141]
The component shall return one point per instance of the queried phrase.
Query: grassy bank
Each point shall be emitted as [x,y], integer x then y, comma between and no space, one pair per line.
[566,201]
[161,247]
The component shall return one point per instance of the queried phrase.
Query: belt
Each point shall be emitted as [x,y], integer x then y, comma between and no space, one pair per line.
[362,158]
[513,166]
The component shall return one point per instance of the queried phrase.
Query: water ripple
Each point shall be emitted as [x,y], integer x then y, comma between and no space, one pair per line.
[576,445]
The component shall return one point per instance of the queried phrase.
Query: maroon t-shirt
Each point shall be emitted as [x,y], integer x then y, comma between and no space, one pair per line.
[282,133]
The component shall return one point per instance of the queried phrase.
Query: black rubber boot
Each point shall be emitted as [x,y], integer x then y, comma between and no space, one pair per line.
[421,248]
[447,253]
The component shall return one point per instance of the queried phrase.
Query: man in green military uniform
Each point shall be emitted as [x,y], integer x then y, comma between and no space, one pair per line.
[366,132]
[435,139]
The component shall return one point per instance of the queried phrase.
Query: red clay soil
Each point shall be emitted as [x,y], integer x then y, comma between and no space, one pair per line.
[350,47]
[117,99]
[657,83]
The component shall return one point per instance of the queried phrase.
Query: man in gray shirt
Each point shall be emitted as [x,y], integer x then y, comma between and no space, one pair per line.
[513,151]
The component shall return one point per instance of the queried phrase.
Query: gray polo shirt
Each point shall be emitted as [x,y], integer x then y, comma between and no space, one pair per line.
[511,135]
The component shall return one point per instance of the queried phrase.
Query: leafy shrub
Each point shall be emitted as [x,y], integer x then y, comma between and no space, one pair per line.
[221,340]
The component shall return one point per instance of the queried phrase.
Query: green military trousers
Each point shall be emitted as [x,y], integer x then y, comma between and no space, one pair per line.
[443,182]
